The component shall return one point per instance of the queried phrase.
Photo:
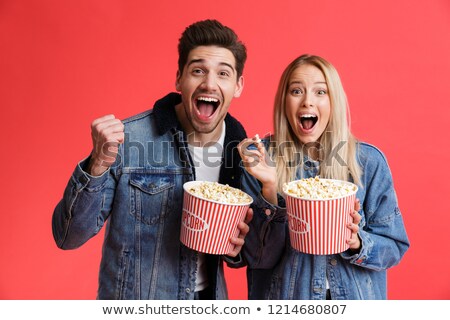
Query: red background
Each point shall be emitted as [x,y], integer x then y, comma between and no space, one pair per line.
[64,63]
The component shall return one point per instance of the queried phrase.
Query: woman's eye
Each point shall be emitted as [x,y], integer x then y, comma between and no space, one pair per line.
[321,92]
[296,91]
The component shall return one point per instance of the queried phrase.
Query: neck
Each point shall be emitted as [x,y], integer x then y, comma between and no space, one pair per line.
[199,139]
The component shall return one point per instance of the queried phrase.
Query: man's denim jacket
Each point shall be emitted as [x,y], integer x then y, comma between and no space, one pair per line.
[276,271]
[140,197]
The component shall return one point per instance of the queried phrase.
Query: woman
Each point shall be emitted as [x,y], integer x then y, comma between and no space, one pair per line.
[312,138]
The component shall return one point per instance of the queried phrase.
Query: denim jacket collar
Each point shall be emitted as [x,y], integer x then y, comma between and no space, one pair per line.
[164,111]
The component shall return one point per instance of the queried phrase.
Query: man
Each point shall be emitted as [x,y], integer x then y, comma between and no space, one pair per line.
[134,177]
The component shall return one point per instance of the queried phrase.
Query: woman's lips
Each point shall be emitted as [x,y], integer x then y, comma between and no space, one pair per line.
[307,122]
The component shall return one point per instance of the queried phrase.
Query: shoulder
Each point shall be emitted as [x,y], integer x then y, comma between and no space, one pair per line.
[138,117]
[372,160]
[370,153]
[140,124]
[162,116]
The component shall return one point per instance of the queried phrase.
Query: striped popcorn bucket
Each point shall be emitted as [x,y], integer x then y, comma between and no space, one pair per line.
[208,225]
[319,226]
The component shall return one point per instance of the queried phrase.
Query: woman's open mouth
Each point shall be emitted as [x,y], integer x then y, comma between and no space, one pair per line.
[206,107]
[308,121]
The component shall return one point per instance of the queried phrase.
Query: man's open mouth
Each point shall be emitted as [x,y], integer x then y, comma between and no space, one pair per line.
[308,121]
[206,106]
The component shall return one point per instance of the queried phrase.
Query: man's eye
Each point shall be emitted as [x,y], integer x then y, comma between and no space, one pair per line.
[197,71]
[224,74]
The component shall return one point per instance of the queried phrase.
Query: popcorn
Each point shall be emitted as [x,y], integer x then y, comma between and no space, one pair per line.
[257,139]
[211,215]
[320,189]
[220,193]
[318,212]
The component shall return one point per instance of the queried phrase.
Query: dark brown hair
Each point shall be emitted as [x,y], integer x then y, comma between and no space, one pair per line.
[211,33]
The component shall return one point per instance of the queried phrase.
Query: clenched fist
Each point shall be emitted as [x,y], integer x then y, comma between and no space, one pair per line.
[107,133]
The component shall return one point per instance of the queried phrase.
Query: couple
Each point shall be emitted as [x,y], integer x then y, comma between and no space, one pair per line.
[133,180]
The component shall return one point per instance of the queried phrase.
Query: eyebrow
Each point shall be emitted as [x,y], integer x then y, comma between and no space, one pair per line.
[299,82]
[203,60]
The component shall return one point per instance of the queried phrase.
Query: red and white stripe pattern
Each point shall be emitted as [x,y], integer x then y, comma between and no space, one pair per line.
[207,226]
[320,226]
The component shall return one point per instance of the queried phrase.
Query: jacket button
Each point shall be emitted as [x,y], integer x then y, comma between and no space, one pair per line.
[333,262]
[188,290]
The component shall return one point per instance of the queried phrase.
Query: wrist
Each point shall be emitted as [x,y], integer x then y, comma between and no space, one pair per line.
[95,168]
[269,192]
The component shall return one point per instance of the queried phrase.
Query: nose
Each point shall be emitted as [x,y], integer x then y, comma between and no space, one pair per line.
[209,82]
[308,100]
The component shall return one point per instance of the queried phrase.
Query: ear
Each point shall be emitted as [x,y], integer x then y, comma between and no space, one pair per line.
[177,81]
[239,87]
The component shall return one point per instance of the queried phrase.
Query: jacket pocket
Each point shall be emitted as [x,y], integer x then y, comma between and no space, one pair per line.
[150,196]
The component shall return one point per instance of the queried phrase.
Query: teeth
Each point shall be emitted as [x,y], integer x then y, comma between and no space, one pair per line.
[207,99]
[308,116]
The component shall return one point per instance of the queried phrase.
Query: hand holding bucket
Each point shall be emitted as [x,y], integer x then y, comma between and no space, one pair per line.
[207,225]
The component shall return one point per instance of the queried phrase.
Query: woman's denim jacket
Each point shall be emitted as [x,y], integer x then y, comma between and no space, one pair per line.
[276,271]
[141,197]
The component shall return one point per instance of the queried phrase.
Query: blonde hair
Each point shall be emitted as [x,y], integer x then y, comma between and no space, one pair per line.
[288,151]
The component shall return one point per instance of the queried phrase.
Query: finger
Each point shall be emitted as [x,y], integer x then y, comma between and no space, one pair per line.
[237,241]
[353,227]
[102,119]
[115,138]
[243,229]
[357,205]
[237,248]
[234,253]
[109,126]
[120,137]
[252,154]
[111,144]
[259,145]
[248,216]
[116,127]
[356,217]
[243,145]
[250,161]
[113,134]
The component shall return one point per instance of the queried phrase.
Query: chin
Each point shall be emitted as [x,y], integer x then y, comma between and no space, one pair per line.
[307,140]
